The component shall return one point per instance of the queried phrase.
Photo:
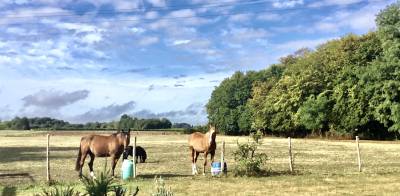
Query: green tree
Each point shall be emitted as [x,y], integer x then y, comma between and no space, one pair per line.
[125,122]
[227,107]
[313,114]
[385,75]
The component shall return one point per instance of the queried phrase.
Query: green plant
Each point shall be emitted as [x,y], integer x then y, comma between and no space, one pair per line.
[161,190]
[99,186]
[105,184]
[59,191]
[119,190]
[249,163]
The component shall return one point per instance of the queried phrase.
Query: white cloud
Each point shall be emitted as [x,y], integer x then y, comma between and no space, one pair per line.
[287,3]
[3,44]
[92,38]
[5,59]
[21,31]
[198,45]
[361,20]
[157,3]
[106,113]
[76,27]
[180,42]
[213,1]
[244,34]
[24,15]
[327,26]
[125,4]
[240,17]
[298,44]
[269,17]
[148,40]
[151,15]
[333,2]
[138,30]
[159,24]
[183,13]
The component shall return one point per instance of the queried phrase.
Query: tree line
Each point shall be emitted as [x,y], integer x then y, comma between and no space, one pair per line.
[125,122]
[344,87]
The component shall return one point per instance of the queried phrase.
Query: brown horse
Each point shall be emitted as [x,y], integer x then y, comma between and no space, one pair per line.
[102,146]
[202,143]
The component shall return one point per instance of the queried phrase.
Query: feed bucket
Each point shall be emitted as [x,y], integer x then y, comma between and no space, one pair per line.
[127,169]
[215,168]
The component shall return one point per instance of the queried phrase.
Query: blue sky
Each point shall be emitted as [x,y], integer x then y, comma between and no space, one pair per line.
[94,60]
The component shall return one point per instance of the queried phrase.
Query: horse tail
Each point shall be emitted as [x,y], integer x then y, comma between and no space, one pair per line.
[78,160]
[144,155]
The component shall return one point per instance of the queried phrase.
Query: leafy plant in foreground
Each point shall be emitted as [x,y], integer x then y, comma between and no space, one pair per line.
[99,186]
[59,191]
[249,163]
[161,190]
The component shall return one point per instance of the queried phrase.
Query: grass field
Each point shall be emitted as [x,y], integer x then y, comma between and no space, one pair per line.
[322,167]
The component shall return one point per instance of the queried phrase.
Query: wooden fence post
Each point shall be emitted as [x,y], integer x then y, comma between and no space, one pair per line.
[48,159]
[358,154]
[223,157]
[134,158]
[290,155]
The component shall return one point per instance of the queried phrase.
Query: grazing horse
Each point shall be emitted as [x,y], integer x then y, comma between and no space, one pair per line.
[102,146]
[140,153]
[202,143]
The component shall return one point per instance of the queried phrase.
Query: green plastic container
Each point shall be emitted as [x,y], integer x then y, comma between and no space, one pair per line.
[127,169]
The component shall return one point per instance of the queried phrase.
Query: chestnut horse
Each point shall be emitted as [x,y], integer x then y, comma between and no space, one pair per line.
[202,143]
[102,146]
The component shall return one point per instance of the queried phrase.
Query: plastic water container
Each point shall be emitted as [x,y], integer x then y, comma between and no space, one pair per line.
[215,168]
[127,169]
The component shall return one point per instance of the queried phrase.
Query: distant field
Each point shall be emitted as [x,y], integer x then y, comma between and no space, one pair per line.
[323,167]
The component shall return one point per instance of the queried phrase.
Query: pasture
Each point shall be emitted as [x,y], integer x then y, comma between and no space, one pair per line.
[322,167]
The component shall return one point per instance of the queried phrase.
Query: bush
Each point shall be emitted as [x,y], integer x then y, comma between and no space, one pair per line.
[60,191]
[249,163]
[121,191]
[103,185]
[161,190]
[99,186]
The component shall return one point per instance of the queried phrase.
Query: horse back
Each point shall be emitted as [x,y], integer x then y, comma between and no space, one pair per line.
[198,141]
[103,146]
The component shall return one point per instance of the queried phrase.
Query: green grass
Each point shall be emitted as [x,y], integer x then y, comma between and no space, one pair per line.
[322,167]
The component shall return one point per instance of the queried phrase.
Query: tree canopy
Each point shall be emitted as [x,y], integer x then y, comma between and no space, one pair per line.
[346,86]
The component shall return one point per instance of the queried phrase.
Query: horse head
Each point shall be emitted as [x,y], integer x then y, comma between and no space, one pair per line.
[212,132]
[124,137]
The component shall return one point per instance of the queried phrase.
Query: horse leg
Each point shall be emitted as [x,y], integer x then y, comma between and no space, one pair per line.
[212,156]
[205,163]
[114,161]
[195,160]
[82,162]
[90,164]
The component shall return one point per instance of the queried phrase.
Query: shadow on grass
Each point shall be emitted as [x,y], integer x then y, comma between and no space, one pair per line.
[9,191]
[164,175]
[12,154]
[282,173]
[16,175]
[271,173]
[155,161]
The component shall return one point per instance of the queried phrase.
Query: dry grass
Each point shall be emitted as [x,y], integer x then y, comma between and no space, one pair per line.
[323,167]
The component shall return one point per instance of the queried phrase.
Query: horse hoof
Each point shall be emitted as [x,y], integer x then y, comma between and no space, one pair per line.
[92,175]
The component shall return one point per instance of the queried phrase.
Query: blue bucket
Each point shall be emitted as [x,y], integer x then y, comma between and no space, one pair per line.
[215,168]
[127,169]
